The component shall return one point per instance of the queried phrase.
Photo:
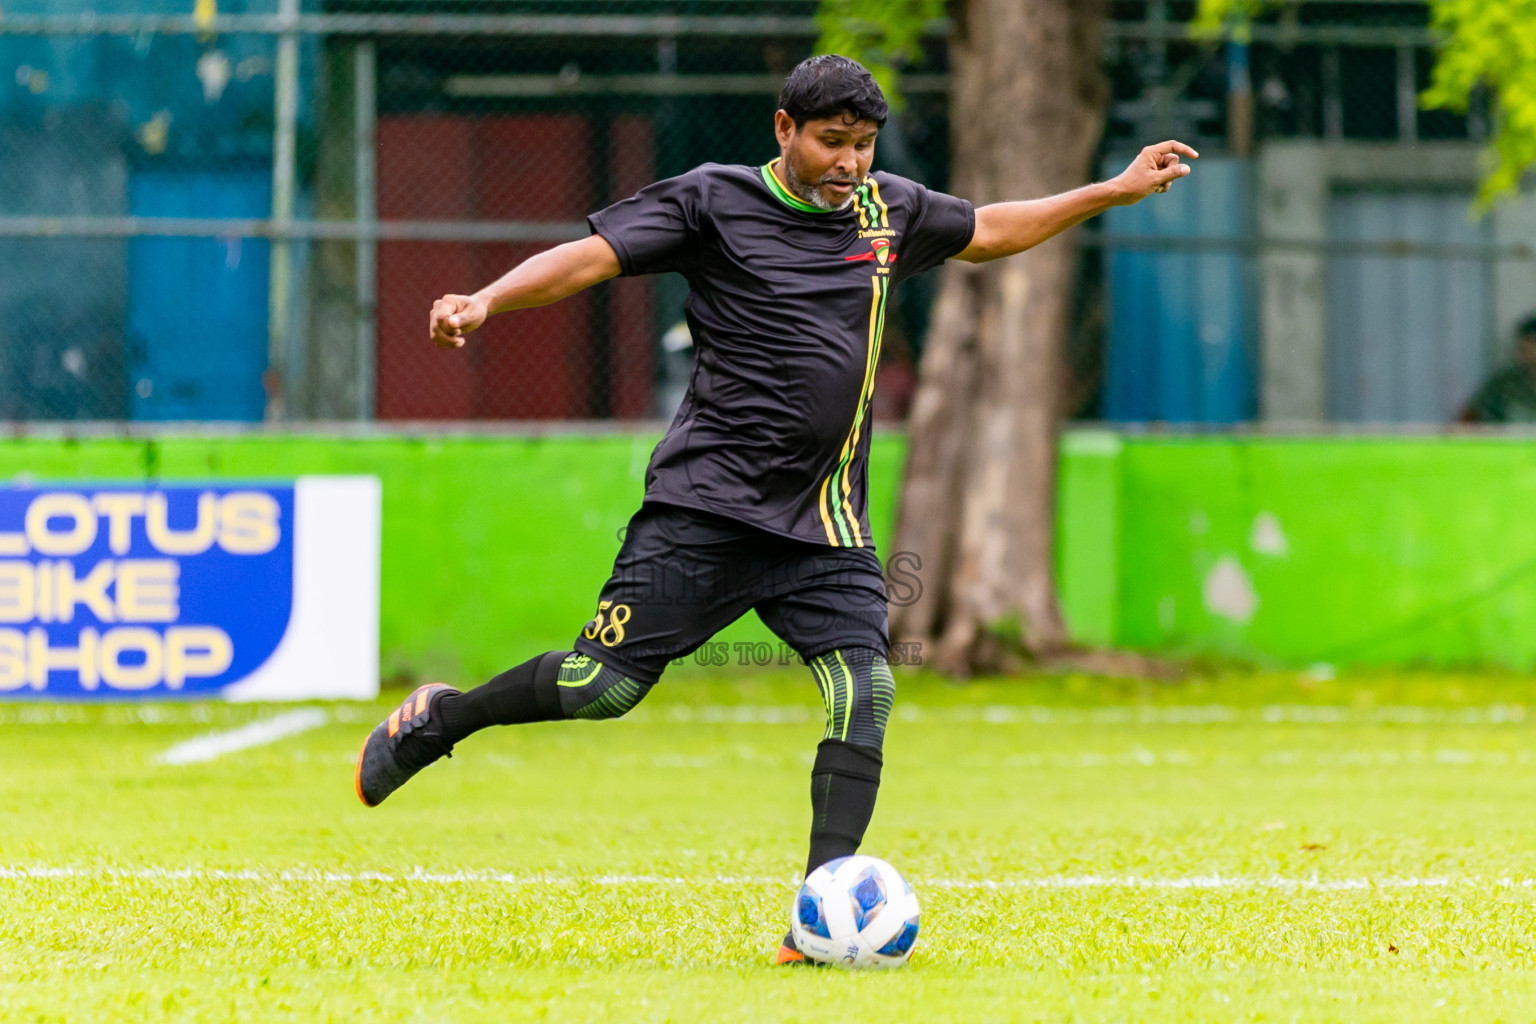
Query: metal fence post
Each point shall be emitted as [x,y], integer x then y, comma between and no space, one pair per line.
[1333,95]
[280,283]
[365,81]
[1407,95]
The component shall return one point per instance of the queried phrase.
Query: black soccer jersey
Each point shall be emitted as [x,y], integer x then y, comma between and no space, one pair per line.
[786,305]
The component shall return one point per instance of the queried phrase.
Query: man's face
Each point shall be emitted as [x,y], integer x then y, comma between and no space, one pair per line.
[825,159]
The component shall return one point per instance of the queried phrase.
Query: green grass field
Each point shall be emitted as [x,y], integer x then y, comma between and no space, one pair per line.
[1242,847]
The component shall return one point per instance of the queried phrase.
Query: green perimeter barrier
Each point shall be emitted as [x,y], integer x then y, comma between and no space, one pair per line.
[1358,551]
[1294,551]
[494,547]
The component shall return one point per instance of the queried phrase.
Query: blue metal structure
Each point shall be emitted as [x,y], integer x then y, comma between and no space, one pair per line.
[1180,345]
[153,125]
[172,97]
[197,307]
[1408,337]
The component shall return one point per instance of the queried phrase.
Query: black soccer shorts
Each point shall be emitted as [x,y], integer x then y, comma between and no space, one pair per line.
[682,575]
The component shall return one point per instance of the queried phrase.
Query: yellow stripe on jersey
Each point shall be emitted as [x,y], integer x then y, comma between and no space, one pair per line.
[826,520]
[851,446]
[839,511]
[885,213]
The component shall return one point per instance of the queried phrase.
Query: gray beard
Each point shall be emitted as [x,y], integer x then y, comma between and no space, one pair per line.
[812,193]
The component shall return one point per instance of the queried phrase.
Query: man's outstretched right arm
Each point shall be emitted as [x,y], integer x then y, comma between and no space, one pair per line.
[537,281]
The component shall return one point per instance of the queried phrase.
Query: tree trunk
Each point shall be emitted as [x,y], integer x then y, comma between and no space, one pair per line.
[978,504]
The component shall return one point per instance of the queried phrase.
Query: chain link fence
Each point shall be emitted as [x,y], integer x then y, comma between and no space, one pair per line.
[243,211]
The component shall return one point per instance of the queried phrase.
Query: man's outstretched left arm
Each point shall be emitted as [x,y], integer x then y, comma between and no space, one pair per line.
[1003,229]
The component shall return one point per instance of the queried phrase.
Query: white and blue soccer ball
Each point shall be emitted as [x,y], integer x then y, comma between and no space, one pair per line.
[856,912]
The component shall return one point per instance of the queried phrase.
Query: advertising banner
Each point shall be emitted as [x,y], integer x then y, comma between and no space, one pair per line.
[263,591]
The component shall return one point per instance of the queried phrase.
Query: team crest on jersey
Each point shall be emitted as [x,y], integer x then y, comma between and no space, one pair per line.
[880,251]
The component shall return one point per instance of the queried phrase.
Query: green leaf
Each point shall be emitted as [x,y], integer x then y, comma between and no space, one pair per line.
[883,35]
[1488,46]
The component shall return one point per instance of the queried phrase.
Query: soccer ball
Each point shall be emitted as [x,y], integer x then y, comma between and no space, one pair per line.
[855,912]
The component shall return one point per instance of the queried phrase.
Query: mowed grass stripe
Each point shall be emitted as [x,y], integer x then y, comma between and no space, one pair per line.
[1213,881]
[1239,848]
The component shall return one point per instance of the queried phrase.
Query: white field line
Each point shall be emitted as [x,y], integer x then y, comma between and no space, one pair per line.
[257,734]
[1216,882]
[1351,758]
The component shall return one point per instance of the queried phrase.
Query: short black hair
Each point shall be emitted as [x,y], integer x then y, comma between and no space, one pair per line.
[1527,328]
[830,86]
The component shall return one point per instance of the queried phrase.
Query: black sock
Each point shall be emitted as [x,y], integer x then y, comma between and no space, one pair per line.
[528,693]
[844,782]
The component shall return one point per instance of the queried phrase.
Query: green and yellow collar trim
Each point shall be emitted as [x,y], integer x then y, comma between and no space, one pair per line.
[783,194]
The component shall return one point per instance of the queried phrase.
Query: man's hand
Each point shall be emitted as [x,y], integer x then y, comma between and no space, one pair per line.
[1152,171]
[539,280]
[1003,229]
[454,316]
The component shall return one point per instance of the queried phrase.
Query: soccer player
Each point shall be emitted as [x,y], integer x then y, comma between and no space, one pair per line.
[756,497]
[1509,396]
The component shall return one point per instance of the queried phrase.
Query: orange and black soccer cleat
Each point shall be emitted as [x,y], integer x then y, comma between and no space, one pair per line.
[402,745]
[789,953]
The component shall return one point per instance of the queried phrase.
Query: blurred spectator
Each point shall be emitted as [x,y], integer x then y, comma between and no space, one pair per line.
[1509,396]
[675,369]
